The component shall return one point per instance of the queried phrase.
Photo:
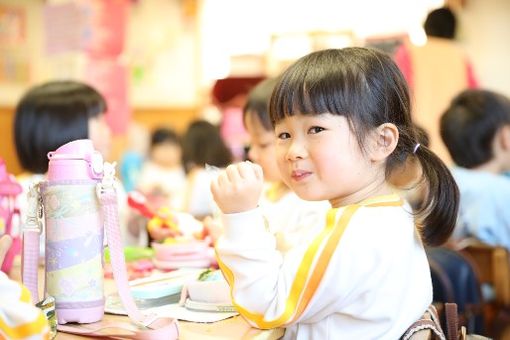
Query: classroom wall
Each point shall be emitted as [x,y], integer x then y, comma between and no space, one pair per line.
[7,150]
[484,30]
[170,49]
[159,50]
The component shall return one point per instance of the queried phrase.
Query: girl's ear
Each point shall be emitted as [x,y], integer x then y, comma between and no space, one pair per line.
[384,142]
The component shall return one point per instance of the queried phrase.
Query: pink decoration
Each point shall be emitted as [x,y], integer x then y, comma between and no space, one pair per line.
[110,78]
[107,24]
[9,189]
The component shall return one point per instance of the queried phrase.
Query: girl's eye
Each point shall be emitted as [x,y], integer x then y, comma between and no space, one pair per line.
[264,145]
[283,135]
[315,129]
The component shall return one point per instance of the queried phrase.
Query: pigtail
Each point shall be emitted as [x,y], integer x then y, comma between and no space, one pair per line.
[438,212]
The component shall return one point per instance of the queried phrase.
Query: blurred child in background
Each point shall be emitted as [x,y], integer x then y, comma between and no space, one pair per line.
[52,114]
[476,131]
[435,71]
[287,213]
[55,113]
[202,144]
[162,178]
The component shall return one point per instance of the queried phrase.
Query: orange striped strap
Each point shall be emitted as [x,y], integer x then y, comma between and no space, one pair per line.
[297,286]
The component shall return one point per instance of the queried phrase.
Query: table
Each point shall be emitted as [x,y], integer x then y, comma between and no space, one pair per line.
[233,328]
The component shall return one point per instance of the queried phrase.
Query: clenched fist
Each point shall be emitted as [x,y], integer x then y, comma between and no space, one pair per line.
[238,188]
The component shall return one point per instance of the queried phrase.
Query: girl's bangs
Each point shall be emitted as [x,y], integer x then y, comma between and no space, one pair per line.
[309,92]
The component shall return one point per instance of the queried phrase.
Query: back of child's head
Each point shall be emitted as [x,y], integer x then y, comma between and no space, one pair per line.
[441,23]
[366,87]
[50,115]
[470,124]
[257,102]
[202,144]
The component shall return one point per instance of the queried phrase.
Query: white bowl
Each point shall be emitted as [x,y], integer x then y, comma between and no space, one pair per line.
[175,249]
[210,291]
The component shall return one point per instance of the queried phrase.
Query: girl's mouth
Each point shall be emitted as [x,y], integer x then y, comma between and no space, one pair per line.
[299,175]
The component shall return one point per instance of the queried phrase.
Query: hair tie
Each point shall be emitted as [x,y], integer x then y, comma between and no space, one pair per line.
[416,147]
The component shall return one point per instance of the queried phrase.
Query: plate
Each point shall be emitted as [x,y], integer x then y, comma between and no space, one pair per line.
[208,307]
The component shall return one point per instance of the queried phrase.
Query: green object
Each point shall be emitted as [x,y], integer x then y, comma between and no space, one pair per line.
[210,275]
[138,73]
[48,308]
[132,253]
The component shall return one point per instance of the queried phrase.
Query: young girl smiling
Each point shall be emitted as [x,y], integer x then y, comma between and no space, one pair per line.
[342,121]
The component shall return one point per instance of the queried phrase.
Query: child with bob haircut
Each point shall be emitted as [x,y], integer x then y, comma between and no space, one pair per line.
[54,113]
[343,124]
[476,130]
[202,145]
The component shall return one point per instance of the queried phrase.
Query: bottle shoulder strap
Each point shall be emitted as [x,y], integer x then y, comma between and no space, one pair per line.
[32,228]
[146,326]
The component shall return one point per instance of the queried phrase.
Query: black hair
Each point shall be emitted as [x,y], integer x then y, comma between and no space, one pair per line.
[441,23]
[422,136]
[202,144]
[469,126]
[164,135]
[366,86]
[257,102]
[50,115]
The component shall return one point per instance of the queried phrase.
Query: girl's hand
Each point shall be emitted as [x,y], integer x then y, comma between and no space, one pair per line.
[238,188]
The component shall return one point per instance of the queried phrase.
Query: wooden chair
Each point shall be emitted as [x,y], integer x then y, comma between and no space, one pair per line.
[493,267]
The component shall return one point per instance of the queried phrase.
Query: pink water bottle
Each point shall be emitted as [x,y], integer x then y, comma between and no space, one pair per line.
[74,232]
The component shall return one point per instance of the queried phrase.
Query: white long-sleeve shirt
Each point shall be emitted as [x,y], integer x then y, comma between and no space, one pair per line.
[362,275]
[289,217]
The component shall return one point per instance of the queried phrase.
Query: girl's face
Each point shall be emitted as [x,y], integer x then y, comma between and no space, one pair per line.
[167,155]
[262,147]
[99,133]
[319,158]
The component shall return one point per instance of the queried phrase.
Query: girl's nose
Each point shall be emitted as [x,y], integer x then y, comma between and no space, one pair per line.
[296,151]
[252,154]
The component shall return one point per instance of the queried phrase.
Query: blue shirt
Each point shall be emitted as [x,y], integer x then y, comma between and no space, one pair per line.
[484,210]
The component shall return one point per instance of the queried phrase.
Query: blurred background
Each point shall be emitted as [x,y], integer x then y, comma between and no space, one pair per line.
[169,62]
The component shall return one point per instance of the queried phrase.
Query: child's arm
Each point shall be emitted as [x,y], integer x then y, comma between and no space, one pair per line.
[366,272]
[268,289]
